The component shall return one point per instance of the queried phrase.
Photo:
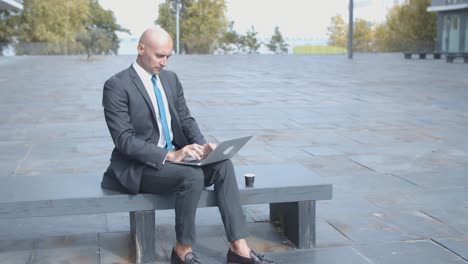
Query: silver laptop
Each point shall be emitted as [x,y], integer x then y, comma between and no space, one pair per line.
[225,150]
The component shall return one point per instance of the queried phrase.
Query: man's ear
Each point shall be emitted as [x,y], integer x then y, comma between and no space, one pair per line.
[140,49]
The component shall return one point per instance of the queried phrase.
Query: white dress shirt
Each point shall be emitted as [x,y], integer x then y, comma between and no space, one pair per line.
[146,79]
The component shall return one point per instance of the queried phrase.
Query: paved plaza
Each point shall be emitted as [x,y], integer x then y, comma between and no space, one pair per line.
[390,134]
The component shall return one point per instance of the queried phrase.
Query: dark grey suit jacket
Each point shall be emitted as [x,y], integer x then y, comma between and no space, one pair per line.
[131,120]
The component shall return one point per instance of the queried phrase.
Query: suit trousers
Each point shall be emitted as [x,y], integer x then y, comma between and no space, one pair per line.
[187,182]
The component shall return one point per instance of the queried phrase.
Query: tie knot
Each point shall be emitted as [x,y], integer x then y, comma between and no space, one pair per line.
[153,79]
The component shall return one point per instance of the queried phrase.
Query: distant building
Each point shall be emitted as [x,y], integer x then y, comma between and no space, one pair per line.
[452,25]
[13,5]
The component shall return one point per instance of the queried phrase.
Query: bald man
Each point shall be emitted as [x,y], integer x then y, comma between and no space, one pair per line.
[151,125]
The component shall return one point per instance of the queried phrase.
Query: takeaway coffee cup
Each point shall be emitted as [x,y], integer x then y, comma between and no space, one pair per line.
[249,179]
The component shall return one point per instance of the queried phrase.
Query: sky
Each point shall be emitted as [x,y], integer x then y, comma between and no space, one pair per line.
[295,18]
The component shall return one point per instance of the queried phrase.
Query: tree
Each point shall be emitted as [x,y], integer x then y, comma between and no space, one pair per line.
[338,32]
[362,36]
[202,23]
[99,36]
[380,38]
[251,42]
[8,21]
[94,41]
[362,39]
[411,27]
[52,27]
[52,23]
[106,22]
[407,27]
[277,44]
[166,16]
[231,41]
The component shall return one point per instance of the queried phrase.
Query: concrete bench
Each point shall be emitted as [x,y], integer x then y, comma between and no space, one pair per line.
[450,57]
[422,54]
[291,190]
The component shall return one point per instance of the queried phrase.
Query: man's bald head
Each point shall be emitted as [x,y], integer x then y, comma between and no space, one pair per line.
[154,35]
[154,49]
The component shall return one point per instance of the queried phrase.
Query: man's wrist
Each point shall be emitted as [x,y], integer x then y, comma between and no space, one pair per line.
[169,156]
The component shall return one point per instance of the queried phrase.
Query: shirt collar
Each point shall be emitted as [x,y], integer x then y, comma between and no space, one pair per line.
[144,75]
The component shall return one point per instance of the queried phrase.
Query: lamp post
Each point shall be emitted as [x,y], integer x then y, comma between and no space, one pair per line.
[350,34]
[178,6]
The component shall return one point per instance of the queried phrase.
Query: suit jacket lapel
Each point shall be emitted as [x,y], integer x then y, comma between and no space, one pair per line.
[168,91]
[139,85]
[179,138]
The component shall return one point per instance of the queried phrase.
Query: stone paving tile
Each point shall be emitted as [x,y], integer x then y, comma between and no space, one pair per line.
[321,150]
[371,229]
[13,151]
[437,178]
[346,204]
[454,217]
[54,250]
[458,245]
[329,237]
[114,248]
[409,252]
[333,166]
[432,199]
[77,156]
[336,255]
[372,183]
[418,223]
[39,227]
[68,131]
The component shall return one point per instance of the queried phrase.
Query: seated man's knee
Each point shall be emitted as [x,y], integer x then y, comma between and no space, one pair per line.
[225,165]
[191,178]
[225,169]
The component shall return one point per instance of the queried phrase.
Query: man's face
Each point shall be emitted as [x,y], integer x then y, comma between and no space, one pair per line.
[155,55]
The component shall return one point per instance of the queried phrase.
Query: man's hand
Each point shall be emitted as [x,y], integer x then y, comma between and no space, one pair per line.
[208,148]
[194,150]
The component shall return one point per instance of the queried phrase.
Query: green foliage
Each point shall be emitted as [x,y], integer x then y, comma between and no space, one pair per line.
[381,38]
[277,44]
[99,36]
[166,17]
[362,39]
[202,23]
[231,41]
[251,42]
[94,40]
[8,23]
[337,32]
[311,50]
[53,27]
[54,23]
[408,27]
[362,34]
[203,26]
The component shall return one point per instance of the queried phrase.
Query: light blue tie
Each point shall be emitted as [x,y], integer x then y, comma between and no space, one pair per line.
[162,113]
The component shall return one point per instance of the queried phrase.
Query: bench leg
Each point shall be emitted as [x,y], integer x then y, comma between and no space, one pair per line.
[142,233]
[298,221]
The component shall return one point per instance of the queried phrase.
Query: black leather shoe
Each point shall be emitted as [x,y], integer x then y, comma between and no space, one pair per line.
[190,258]
[233,258]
